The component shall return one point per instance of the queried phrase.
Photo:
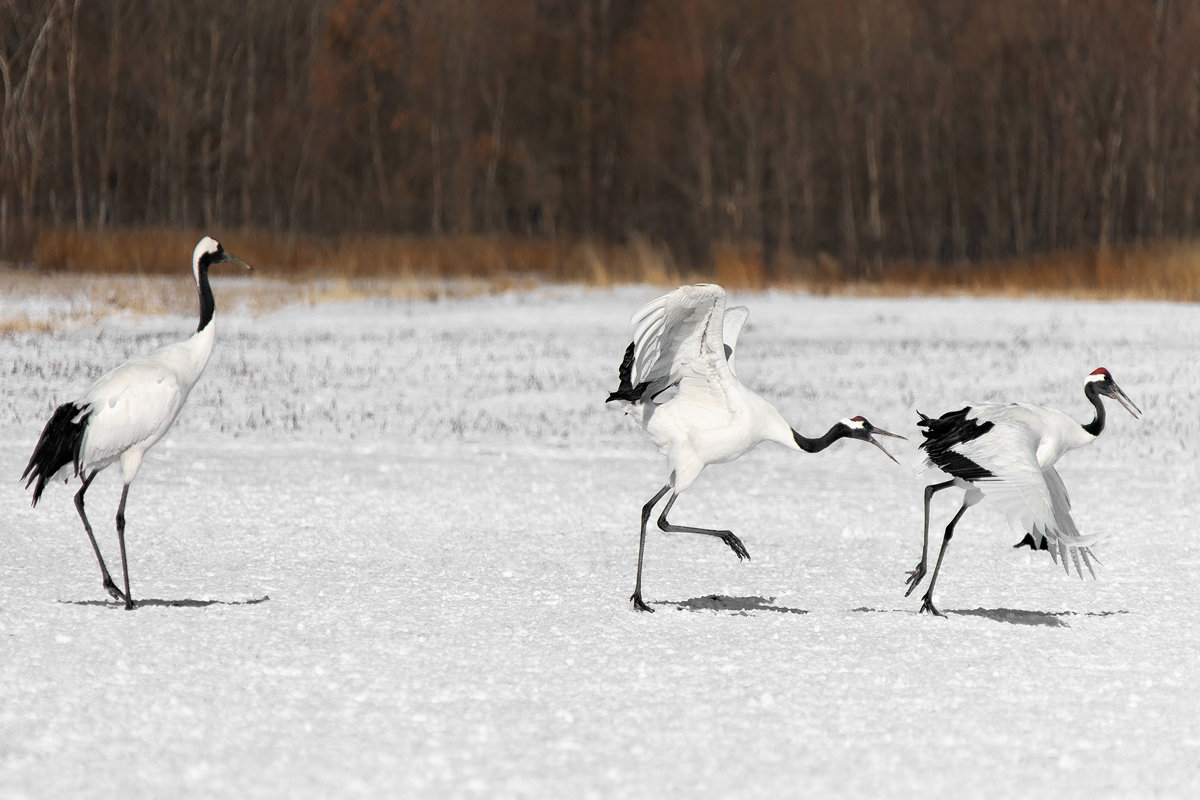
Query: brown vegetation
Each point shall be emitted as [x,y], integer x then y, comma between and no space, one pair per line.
[357,266]
[414,258]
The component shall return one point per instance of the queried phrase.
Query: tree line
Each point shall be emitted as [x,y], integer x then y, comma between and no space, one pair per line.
[872,131]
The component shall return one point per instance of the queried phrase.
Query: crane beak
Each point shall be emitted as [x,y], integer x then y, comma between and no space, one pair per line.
[871,438]
[234,259]
[1117,394]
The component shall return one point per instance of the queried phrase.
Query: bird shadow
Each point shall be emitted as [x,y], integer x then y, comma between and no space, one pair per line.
[153,602]
[1015,616]
[737,605]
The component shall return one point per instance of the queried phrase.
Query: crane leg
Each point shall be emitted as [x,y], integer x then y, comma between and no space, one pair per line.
[916,575]
[927,604]
[121,541]
[735,544]
[105,579]
[636,599]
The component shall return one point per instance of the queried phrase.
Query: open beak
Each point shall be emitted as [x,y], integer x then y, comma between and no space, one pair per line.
[882,432]
[1123,399]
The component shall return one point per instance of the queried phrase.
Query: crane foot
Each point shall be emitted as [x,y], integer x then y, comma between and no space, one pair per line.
[735,544]
[113,591]
[915,576]
[638,605]
[927,605]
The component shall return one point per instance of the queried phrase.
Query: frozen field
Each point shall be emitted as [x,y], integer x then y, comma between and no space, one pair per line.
[388,548]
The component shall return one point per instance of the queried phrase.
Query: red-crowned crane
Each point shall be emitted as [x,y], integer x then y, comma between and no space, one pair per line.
[678,377]
[124,413]
[1008,452]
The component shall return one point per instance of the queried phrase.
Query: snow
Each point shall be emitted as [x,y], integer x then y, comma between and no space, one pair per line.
[389,545]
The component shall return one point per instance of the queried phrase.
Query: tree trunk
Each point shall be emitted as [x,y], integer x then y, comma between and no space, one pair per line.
[73,112]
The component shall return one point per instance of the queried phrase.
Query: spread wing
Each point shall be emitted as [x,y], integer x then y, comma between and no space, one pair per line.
[1062,544]
[678,340]
[1032,498]
[735,318]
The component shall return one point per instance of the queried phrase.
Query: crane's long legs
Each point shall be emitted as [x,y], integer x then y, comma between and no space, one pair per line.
[636,599]
[916,575]
[121,541]
[735,544]
[106,579]
[927,604]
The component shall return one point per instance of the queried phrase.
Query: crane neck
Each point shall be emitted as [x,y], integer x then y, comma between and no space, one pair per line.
[838,431]
[207,307]
[1096,426]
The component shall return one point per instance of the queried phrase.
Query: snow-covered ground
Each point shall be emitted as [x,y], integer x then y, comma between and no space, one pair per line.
[388,549]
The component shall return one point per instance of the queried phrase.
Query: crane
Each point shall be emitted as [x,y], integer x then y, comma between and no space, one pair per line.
[679,380]
[124,413]
[1008,452]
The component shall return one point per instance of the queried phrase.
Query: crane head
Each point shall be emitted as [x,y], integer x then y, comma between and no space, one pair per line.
[1101,381]
[861,428]
[208,252]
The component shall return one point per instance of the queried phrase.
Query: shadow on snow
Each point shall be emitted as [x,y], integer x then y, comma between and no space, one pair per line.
[186,603]
[1014,616]
[738,605]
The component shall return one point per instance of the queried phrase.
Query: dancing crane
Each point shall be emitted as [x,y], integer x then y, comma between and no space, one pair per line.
[678,377]
[1008,452]
[124,413]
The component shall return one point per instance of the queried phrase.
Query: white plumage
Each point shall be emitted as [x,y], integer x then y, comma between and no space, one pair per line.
[735,319]
[126,412]
[678,377]
[1008,453]
[1021,451]
[133,406]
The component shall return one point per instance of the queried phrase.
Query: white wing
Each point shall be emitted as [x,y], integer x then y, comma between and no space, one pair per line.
[735,318]
[133,404]
[678,339]
[1066,541]
[1058,433]
[1034,499]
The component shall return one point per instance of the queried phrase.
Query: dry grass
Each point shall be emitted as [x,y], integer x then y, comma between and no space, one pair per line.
[492,258]
[1164,271]
[21,323]
[318,269]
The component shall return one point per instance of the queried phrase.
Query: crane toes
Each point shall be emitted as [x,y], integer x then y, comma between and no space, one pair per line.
[915,576]
[638,604]
[927,605]
[114,592]
[735,544]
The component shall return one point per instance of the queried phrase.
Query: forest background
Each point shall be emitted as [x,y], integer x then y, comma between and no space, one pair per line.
[1020,146]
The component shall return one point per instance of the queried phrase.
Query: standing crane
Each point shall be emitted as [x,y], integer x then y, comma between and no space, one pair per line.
[124,413]
[1008,452]
[678,377]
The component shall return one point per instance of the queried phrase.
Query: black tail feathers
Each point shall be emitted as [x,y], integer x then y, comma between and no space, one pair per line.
[1028,542]
[626,390]
[58,446]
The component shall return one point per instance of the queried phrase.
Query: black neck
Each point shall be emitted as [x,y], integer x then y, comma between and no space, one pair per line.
[1097,424]
[838,431]
[206,297]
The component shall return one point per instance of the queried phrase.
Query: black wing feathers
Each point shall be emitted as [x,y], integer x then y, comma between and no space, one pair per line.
[626,390]
[948,430]
[58,446]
